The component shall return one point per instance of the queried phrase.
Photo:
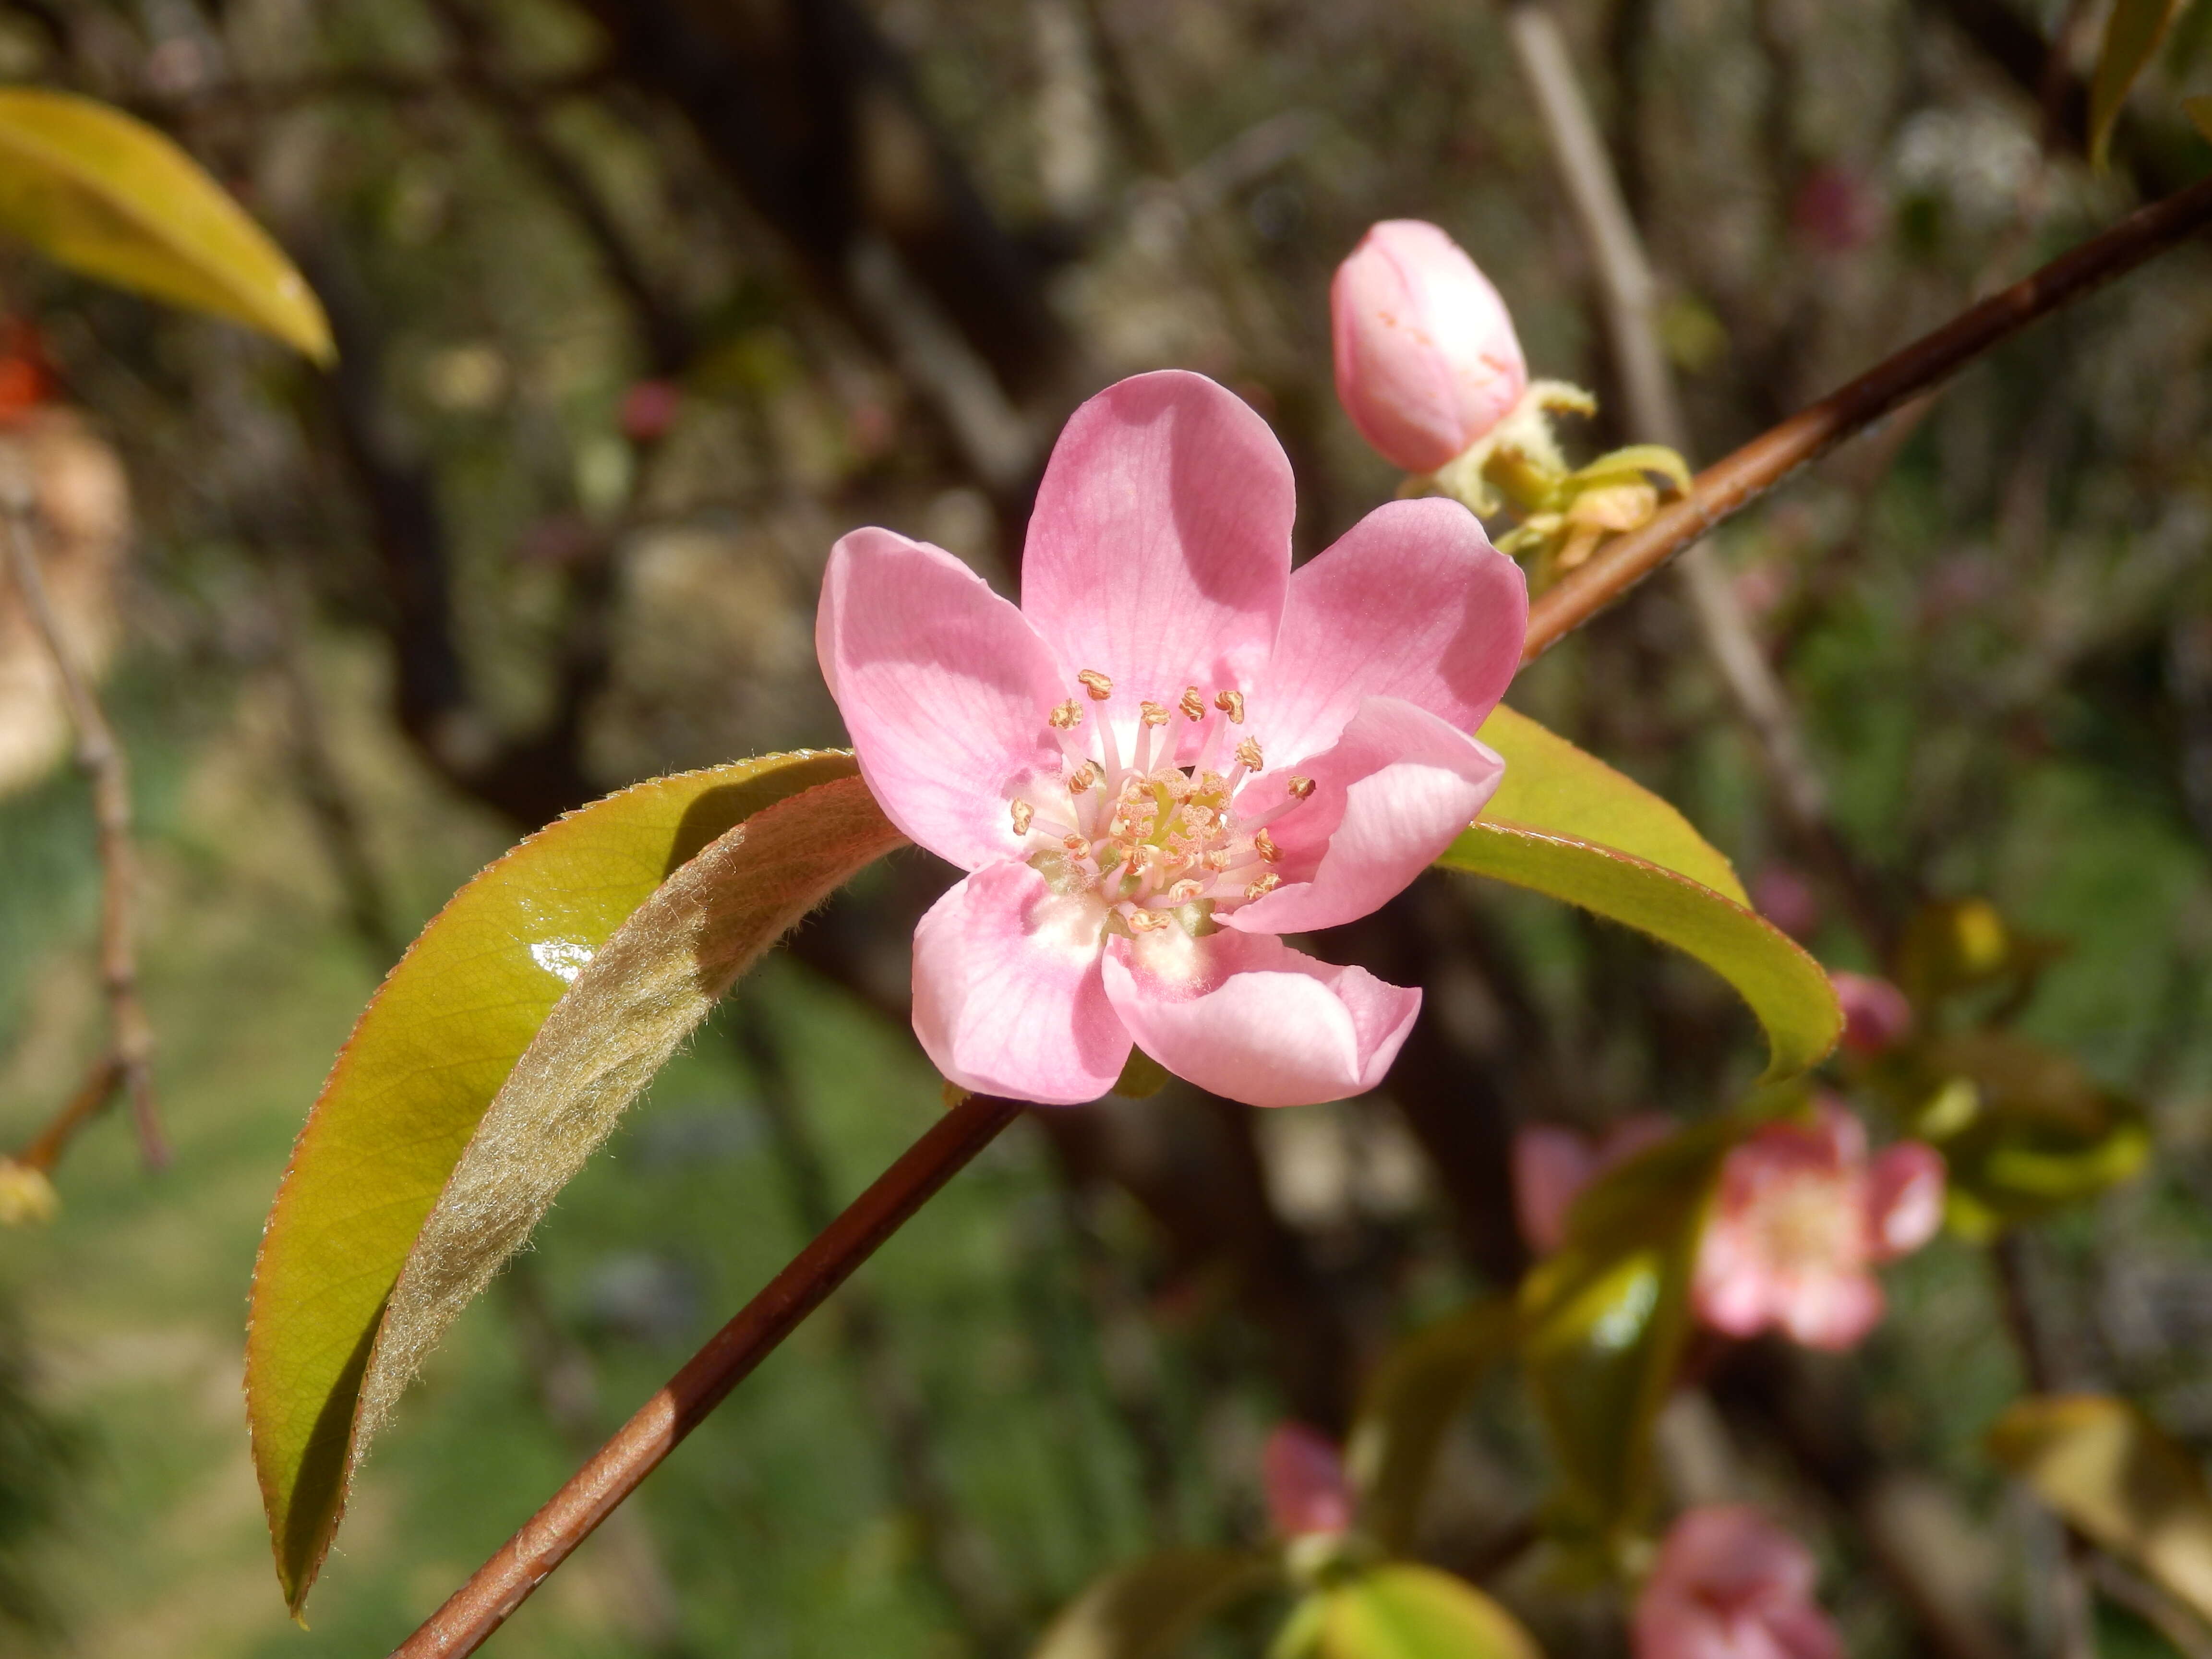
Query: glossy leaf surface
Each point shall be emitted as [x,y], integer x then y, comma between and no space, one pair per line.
[1566,825]
[2117,1476]
[407,1093]
[1401,1611]
[1144,1610]
[1603,1323]
[108,195]
[1409,1406]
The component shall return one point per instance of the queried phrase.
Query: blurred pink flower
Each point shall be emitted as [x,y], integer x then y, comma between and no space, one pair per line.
[1551,1165]
[1801,1218]
[649,409]
[1786,898]
[1876,1015]
[1730,1584]
[1174,751]
[1303,1473]
[1836,210]
[1427,359]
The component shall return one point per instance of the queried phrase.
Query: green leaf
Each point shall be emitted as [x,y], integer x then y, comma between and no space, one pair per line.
[1782,985]
[2118,1478]
[1408,1406]
[1144,1610]
[1553,788]
[1401,1611]
[106,194]
[2132,35]
[2023,1130]
[1603,1320]
[425,1061]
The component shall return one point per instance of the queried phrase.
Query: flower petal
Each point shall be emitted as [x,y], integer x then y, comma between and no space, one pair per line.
[1160,548]
[1007,994]
[1389,797]
[944,687]
[1831,1310]
[1411,602]
[1247,1017]
[1905,1199]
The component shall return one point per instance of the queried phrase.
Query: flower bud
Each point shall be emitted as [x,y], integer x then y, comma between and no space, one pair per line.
[1303,1474]
[1427,359]
[1876,1015]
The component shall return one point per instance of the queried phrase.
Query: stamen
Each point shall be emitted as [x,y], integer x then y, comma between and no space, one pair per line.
[1077,847]
[1153,713]
[1146,922]
[1067,717]
[1185,891]
[1024,813]
[1083,779]
[1219,859]
[1231,703]
[1264,845]
[1098,687]
[1193,704]
[1266,884]
[1300,788]
[1248,754]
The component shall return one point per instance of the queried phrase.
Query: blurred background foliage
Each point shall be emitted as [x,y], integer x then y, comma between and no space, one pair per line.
[640,304]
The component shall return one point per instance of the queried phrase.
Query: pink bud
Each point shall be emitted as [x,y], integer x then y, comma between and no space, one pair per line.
[1785,899]
[1426,360]
[1303,1473]
[1876,1015]
[1730,1584]
[648,409]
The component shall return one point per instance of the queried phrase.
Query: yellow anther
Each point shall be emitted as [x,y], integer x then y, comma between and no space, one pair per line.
[1153,713]
[1077,847]
[1185,891]
[1096,684]
[1231,703]
[1219,860]
[1193,704]
[1248,755]
[1024,813]
[1146,922]
[1264,845]
[1083,780]
[1266,884]
[1067,717]
[1300,788]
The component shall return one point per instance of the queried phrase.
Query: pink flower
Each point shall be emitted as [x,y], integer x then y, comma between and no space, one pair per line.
[1551,1165]
[1730,1584]
[1427,359]
[1801,1217]
[1876,1015]
[1174,750]
[1303,1474]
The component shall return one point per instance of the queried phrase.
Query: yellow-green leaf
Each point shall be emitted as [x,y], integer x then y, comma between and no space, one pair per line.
[1602,1324]
[1564,823]
[2118,1478]
[1554,788]
[106,194]
[1144,1610]
[1399,1611]
[2132,35]
[425,1061]
[1406,1408]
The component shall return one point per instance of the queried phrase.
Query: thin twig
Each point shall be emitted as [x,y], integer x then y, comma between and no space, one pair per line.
[46,1148]
[100,758]
[1729,486]
[504,1583]
[1631,295]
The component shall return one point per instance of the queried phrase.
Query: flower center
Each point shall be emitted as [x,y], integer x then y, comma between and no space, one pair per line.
[1155,842]
[1811,1225]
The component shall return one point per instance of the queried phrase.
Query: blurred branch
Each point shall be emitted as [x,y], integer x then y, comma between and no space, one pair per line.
[1630,293]
[493,1592]
[100,756]
[1729,486]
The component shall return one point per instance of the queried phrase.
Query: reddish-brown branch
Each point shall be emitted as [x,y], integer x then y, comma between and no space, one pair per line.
[502,1583]
[1729,486]
[100,756]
